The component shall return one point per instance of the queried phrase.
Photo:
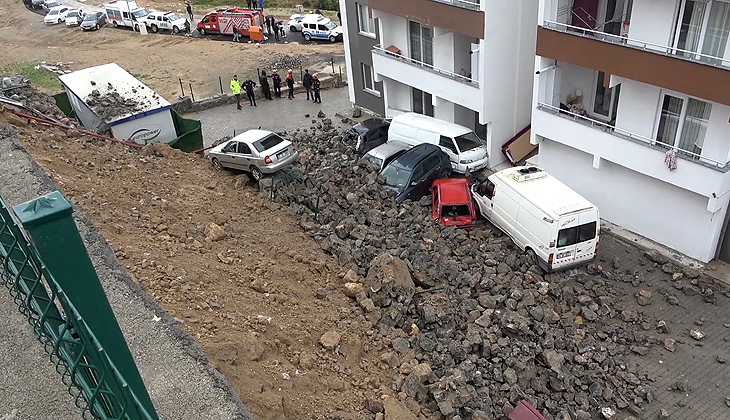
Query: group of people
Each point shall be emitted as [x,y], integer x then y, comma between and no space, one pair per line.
[273,28]
[310,82]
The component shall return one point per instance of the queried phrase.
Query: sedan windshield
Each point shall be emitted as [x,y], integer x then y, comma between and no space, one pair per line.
[396,175]
[267,142]
[330,25]
[468,141]
[173,17]
[72,14]
[90,17]
[53,12]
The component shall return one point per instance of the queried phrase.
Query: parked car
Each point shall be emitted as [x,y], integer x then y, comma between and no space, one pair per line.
[382,155]
[74,17]
[93,21]
[451,203]
[371,137]
[412,173]
[258,152]
[49,4]
[295,21]
[168,21]
[464,147]
[363,126]
[552,224]
[56,15]
[319,27]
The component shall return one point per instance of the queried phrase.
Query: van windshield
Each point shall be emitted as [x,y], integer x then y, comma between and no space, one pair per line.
[140,13]
[396,176]
[330,25]
[468,141]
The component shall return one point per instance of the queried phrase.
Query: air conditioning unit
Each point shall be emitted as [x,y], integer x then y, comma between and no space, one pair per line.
[529,173]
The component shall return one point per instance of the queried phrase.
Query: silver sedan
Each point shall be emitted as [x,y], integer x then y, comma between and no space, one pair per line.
[255,151]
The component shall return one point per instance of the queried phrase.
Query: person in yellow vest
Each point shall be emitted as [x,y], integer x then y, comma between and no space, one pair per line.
[236,90]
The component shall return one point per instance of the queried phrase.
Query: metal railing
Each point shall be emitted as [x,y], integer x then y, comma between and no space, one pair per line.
[378,49]
[636,138]
[99,389]
[466,4]
[638,44]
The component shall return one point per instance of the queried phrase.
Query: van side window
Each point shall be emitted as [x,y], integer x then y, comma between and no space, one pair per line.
[321,28]
[587,232]
[448,143]
[206,19]
[125,15]
[213,19]
[489,189]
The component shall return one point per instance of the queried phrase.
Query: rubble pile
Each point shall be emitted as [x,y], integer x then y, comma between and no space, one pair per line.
[32,98]
[109,104]
[282,62]
[468,324]
[58,67]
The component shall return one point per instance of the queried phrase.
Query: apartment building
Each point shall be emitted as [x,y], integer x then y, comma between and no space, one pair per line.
[470,62]
[631,108]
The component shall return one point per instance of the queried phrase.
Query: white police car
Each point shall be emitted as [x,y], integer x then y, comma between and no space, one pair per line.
[169,21]
[319,27]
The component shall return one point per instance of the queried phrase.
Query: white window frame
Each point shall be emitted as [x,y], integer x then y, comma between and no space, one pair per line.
[369,89]
[591,109]
[703,30]
[364,11]
[682,115]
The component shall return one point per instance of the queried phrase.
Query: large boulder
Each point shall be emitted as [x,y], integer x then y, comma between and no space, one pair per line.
[389,280]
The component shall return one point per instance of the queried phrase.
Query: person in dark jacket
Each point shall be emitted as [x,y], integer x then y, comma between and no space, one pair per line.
[307,83]
[315,88]
[248,86]
[290,84]
[276,80]
[264,82]
[189,9]
[275,29]
[267,22]
[249,4]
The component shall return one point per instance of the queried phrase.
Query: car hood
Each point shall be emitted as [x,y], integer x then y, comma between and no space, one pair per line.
[475,154]
[364,126]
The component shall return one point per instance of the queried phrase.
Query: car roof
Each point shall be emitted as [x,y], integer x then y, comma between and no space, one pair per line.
[453,190]
[387,149]
[60,7]
[252,136]
[416,154]
[432,124]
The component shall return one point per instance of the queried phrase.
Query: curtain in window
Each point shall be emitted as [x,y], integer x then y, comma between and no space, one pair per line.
[427,45]
[695,126]
[415,32]
[716,34]
[689,35]
[669,120]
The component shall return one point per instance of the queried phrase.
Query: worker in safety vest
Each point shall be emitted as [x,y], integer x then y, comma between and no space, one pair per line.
[236,90]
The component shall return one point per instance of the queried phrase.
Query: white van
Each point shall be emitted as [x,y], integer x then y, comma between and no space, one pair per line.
[319,27]
[125,14]
[465,149]
[554,225]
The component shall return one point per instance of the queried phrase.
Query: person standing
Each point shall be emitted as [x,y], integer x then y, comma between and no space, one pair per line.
[248,85]
[267,21]
[236,34]
[339,17]
[249,4]
[276,80]
[275,29]
[264,82]
[315,88]
[307,82]
[236,89]
[290,84]
[189,9]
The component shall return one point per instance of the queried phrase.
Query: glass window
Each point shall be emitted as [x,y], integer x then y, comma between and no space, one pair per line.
[468,141]
[455,211]
[587,232]
[366,25]
[431,163]
[329,26]
[267,143]
[396,175]
[448,143]
[321,28]
[567,237]
[205,20]
[244,149]
[367,77]
[683,123]
[231,147]
[372,159]
[418,172]
[421,42]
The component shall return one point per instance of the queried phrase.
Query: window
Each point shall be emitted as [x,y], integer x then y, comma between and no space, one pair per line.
[586,232]
[447,143]
[566,237]
[605,101]
[365,23]
[205,19]
[125,15]
[418,172]
[455,210]
[267,143]
[321,28]
[431,163]
[576,234]
[468,141]
[702,27]
[421,42]
[231,148]
[683,123]
[368,79]
[244,149]
[422,102]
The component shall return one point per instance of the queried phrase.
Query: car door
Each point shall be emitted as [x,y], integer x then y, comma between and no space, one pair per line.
[447,145]
[432,170]
[227,155]
[483,193]
[245,156]
[166,23]
[417,182]
[322,31]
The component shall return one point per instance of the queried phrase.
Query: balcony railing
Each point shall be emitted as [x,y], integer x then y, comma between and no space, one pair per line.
[636,138]
[378,49]
[638,44]
[473,5]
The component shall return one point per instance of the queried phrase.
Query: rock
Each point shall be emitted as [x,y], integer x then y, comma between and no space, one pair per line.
[388,280]
[321,114]
[396,410]
[663,413]
[662,327]
[400,345]
[157,149]
[608,413]
[682,386]
[351,277]
[374,406]
[553,360]
[696,334]
[214,232]
[588,314]
[352,289]
[640,350]
[654,256]
[356,113]
[629,315]
[510,376]
[330,340]
[643,298]
[720,359]
[669,344]
[485,320]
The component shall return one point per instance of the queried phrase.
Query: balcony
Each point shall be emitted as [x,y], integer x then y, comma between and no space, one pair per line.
[695,173]
[460,16]
[438,82]
[678,70]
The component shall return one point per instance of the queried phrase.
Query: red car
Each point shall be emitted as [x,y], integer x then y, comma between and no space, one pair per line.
[451,203]
[524,411]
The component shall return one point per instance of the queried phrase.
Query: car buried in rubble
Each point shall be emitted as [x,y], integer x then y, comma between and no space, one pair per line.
[257,152]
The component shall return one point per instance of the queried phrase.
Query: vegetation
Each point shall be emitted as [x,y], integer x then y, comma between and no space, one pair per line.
[269,4]
[42,79]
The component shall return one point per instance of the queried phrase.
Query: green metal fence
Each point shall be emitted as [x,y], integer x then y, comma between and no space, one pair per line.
[99,389]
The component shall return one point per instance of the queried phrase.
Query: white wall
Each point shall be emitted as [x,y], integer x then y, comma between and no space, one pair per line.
[348,57]
[443,49]
[397,97]
[666,214]
[574,78]
[155,128]
[462,59]
[653,21]
[393,31]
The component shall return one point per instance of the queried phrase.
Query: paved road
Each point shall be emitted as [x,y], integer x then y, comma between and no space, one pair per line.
[277,115]
[180,381]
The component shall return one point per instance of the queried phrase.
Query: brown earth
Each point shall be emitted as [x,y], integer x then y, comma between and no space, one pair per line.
[158,60]
[258,300]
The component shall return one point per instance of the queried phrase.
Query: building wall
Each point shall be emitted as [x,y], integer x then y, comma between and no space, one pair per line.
[653,21]
[397,97]
[672,216]
[358,49]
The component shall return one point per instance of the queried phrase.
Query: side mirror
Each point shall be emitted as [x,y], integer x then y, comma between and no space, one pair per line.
[414,183]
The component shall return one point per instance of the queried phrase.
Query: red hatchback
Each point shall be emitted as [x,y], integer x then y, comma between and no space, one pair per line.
[451,203]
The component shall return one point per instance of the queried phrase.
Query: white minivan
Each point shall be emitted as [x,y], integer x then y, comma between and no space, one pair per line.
[465,149]
[555,226]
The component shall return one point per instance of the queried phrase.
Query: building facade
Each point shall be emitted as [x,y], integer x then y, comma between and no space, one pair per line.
[464,61]
[631,108]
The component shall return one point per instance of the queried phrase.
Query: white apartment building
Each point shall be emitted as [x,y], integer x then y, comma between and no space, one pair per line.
[618,84]
[467,62]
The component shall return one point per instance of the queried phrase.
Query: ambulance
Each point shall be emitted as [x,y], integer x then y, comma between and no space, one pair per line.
[222,21]
[125,13]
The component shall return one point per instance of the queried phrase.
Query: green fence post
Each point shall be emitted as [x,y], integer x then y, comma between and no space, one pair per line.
[52,230]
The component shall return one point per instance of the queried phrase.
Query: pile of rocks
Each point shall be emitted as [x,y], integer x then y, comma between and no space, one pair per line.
[109,104]
[282,62]
[32,98]
[469,326]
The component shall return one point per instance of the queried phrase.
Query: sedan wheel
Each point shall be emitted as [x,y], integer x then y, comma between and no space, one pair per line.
[256,173]
[96,27]
[292,29]
[307,37]
[175,30]
[217,165]
[332,38]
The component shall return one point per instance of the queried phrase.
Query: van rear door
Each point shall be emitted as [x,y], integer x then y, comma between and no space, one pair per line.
[585,248]
[577,238]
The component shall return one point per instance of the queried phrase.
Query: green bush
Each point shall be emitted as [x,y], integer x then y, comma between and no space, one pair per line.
[326,4]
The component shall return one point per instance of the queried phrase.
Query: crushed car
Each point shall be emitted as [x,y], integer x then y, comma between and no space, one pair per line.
[452,204]
[411,174]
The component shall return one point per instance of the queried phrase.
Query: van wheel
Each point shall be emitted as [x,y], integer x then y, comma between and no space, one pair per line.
[202,31]
[115,24]
[532,257]
[332,38]
[307,37]
[175,30]
[154,29]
